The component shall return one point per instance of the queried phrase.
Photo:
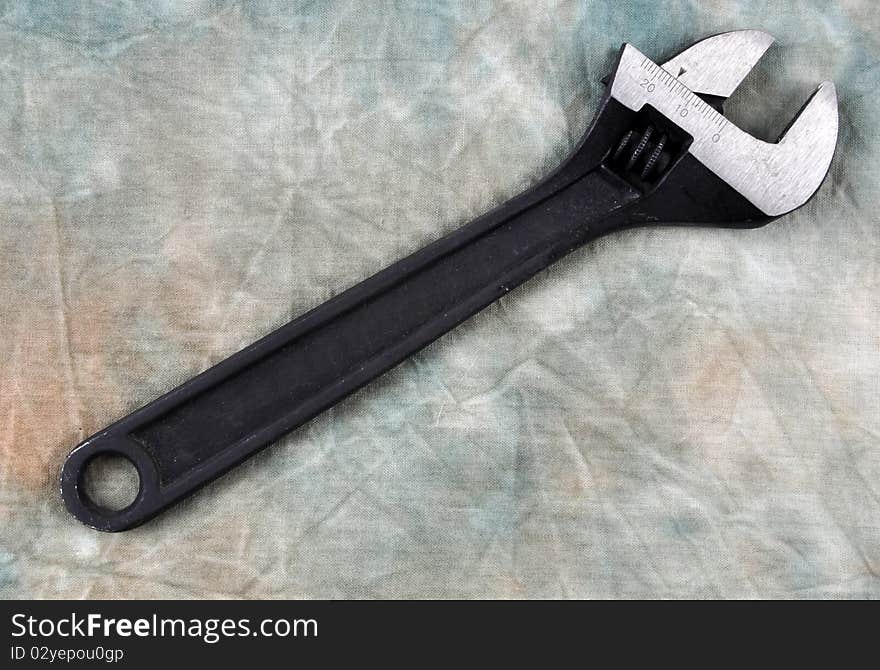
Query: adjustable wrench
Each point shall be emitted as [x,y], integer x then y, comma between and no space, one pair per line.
[659,151]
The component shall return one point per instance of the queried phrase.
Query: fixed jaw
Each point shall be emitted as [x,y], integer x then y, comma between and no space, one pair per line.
[717,65]
[777,178]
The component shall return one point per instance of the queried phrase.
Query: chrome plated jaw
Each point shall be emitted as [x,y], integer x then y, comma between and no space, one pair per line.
[777,178]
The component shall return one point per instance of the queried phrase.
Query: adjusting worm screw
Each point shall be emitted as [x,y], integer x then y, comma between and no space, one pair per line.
[639,145]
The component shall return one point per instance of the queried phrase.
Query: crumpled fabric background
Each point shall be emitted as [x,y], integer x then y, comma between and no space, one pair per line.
[669,412]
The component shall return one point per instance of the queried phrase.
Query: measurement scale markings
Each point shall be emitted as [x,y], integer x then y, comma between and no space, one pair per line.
[676,88]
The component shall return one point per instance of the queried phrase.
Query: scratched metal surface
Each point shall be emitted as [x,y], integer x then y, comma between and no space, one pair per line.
[667,413]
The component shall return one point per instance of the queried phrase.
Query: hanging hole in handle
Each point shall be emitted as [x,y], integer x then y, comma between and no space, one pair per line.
[110,481]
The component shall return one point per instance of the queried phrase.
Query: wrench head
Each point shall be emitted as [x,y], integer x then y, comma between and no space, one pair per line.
[777,178]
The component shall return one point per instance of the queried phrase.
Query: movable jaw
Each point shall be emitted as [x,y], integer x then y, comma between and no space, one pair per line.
[776,178]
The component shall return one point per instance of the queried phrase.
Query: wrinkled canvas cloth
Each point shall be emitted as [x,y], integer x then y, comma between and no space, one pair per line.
[669,412]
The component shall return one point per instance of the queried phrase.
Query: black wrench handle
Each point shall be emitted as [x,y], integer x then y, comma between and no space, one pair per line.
[209,424]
